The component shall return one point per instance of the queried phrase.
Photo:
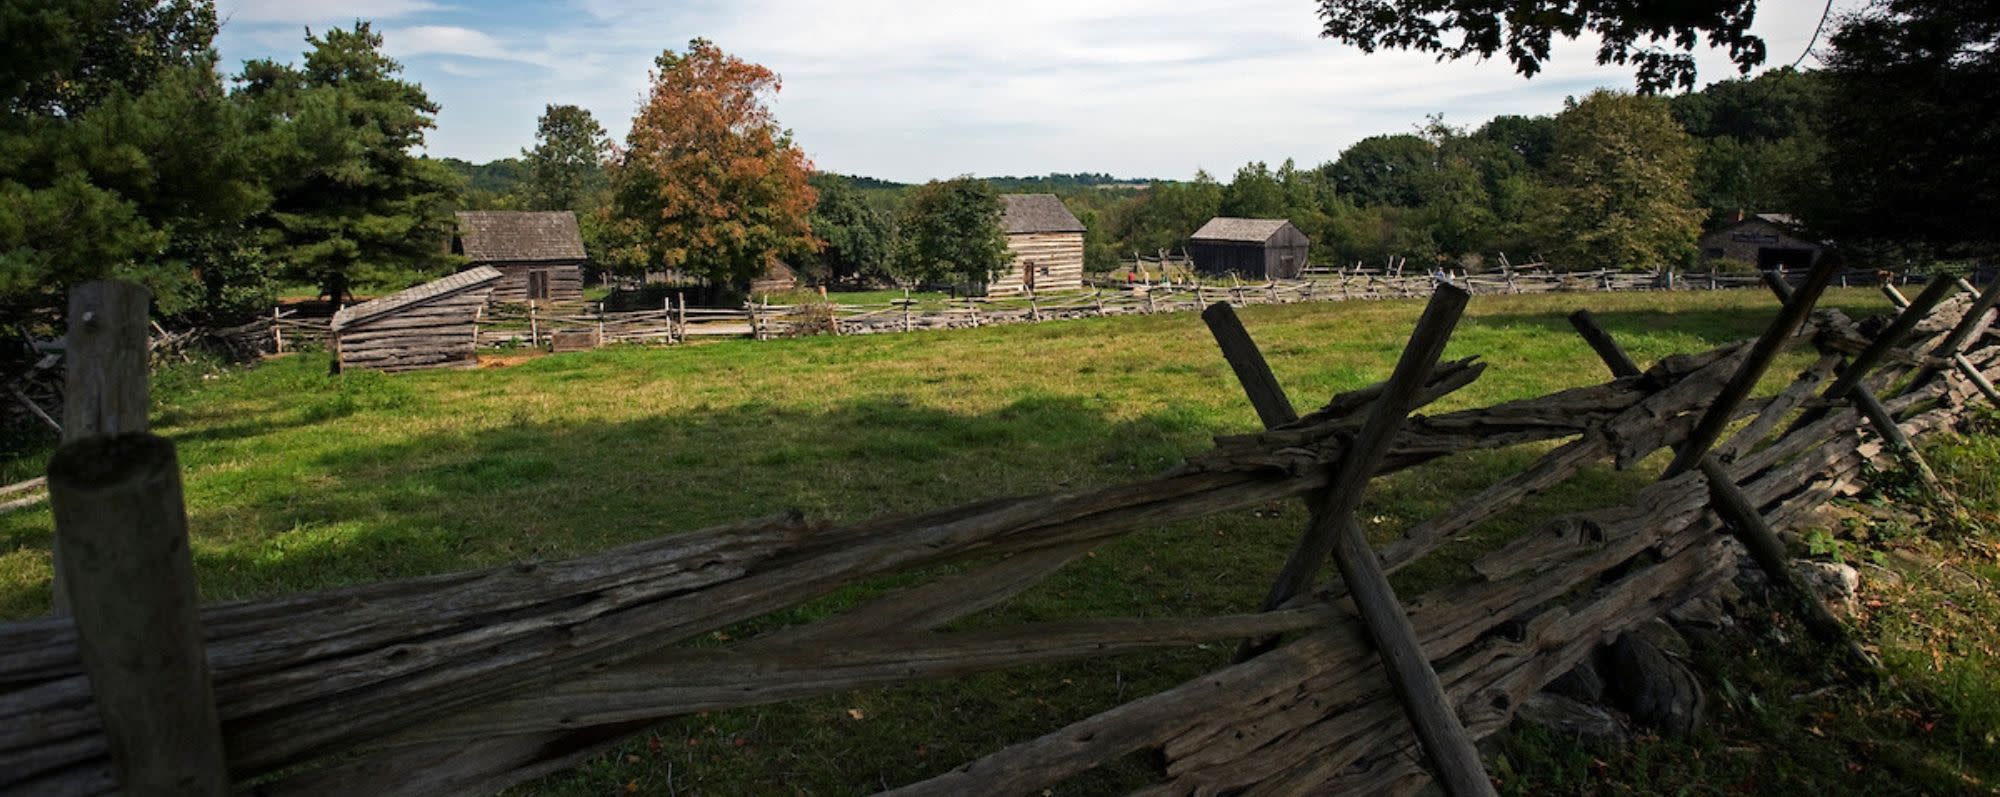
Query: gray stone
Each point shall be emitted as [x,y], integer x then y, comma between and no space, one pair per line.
[1836,583]
[1656,689]
[1572,717]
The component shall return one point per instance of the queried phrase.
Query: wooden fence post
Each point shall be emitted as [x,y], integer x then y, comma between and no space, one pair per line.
[105,390]
[1968,326]
[104,386]
[277,333]
[118,512]
[1849,387]
[534,332]
[682,322]
[1726,498]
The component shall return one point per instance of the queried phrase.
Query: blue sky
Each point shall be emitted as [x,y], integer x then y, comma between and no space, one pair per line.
[912,90]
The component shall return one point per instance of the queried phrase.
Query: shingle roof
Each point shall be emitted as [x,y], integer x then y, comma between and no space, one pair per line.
[1223,228]
[514,236]
[469,278]
[1024,213]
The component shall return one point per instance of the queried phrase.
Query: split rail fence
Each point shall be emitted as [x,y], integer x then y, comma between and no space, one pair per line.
[468,682]
[540,324]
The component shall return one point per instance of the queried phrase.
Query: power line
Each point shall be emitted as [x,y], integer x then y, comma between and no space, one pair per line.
[1823,15]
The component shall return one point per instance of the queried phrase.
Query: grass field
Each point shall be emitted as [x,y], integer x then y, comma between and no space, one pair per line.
[298,481]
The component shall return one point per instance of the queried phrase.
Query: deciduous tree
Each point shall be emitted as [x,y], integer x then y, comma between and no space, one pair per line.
[708,183]
[949,231]
[1628,31]
[1619,179]
[1913,129]
[856,238]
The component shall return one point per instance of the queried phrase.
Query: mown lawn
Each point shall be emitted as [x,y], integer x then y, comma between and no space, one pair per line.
[298,481]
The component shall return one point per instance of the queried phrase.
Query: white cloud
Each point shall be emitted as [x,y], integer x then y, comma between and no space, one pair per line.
[305,12]
[911,89]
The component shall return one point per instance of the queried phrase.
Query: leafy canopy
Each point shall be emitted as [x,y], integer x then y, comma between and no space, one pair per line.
[1619,193]
[708,183]
[950,233]
[1656,38]
[1912,127]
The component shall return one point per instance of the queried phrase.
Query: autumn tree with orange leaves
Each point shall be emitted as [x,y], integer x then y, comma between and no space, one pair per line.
[708,183]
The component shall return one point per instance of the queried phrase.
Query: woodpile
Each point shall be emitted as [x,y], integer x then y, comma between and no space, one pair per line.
[469,682]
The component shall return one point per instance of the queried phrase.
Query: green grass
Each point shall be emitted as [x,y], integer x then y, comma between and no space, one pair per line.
[298,481]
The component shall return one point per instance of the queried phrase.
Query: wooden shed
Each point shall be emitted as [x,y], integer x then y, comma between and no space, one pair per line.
[1046,241]
[539,254]
[779,278]
[1765,240]
[1253,248]
[433,325]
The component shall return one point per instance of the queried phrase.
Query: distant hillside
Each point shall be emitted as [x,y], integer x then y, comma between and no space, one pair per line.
[1051,183]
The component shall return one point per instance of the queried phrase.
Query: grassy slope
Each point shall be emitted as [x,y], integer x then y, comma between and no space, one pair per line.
[296,482]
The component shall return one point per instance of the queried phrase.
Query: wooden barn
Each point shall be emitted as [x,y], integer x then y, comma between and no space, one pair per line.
[433,325]
[1046,241]
[1765,240]
[539,254]
[1250,248]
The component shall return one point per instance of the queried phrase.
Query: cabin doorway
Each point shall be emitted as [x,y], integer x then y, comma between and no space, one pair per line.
[1028,276]
[538,285]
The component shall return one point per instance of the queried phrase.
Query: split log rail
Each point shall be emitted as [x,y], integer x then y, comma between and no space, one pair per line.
[466,683]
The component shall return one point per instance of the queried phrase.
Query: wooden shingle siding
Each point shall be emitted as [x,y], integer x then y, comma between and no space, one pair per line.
[1058,259]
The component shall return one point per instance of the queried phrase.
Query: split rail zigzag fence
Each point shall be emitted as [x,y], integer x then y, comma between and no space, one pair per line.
[675,322]
[467,682]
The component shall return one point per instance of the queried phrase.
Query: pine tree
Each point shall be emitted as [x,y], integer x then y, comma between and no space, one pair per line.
[566,166]
[351,202]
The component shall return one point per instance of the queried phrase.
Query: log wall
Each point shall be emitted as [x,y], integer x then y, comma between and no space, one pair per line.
[1058,260]
[565,281]
[439,333]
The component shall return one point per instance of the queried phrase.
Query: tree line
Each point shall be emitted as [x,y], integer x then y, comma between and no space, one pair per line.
[126,151]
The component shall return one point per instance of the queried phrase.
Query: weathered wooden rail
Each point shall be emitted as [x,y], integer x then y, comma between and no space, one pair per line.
[468,682]
[537,324]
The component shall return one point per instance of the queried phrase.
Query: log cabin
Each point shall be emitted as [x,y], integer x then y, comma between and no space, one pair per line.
[1260,249]
[433,325]
[1046,242]
[539,254]
[1764,240]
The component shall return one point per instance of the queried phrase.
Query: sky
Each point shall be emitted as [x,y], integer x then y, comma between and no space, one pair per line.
[911,90]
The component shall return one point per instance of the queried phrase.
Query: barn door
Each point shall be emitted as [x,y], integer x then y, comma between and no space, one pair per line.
[538,284]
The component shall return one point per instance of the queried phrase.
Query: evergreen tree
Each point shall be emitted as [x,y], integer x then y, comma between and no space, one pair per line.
[119,157]
[350,201]
[1912,128]
[1619,192]
[566,166]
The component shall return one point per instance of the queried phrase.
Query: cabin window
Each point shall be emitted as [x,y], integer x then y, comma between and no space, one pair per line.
[538,284]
